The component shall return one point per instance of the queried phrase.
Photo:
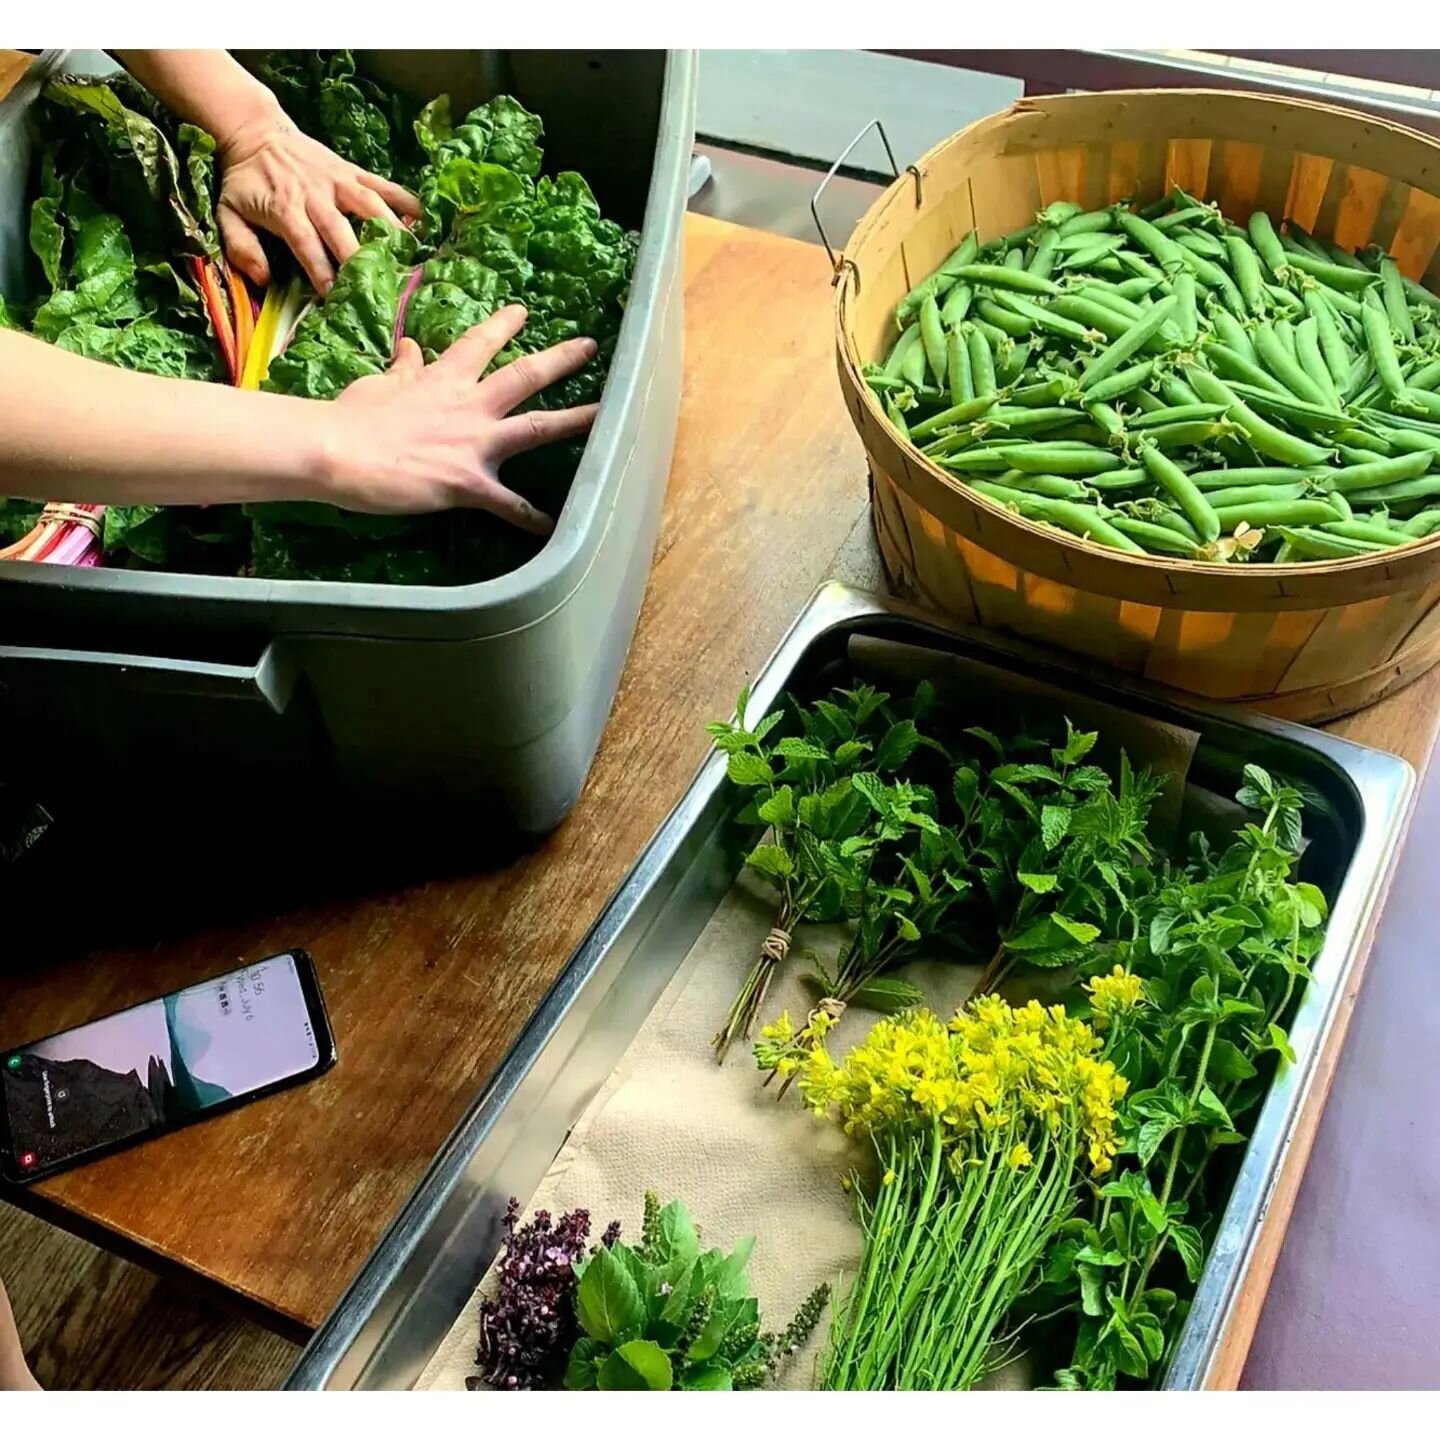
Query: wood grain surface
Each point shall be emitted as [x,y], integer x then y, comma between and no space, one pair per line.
[279,1203]
[427,985]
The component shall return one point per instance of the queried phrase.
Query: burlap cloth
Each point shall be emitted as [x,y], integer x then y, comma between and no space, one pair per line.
[744,1162]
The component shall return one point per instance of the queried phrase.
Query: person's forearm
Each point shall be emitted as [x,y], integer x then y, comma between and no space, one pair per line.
[79,430]
[207,87]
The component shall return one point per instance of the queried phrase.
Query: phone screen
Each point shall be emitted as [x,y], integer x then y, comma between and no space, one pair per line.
[148,1069]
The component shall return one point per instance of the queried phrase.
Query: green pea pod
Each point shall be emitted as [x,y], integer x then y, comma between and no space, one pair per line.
[1232,334]
[1267,242]
[1042,459]
[1248,475]
[1332,344]
[1337,277]
[1046,318]
[912,365]
[1109,421]
[1369,530]
[957,369]
[1413,441]
[934,286]
[1052,487]
[1172,414]
[1082,520]
[1234,366]
[959,414]
[1419,402]
[1004,278]
[1283,300]
[1170,256]
[1277,359]
[1182,490]
[1119,351]
[1317,545]
[1278,512]
[1078,242]
[1234,495]
[1154,538]
[1403,493]
[1427,377]
[1092,222]
[1187,320]
[895,361]
[1010,363]
[1341,505]
[1427,522]
[957,306]
[1042,261]
[1044,392]
[892,412]
[1091,315]
[1397,311]
[1245,266]
[1268,439]
[1176,391]
[1148,402]
[1312,361]
[1003,318]
[932,335]
[1187,434]
[1057,212]
[1382,349]
[1122,383]
[1114,481]
[982,361]
[1349,479]
[1200,242]
[1014,258]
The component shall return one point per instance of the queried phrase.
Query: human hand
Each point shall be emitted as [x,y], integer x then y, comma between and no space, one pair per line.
[428,437]
[275,178]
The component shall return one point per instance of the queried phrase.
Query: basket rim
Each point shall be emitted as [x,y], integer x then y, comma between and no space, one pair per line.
[1402,563]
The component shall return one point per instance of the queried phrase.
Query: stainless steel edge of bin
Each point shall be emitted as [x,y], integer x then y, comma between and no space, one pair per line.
[403,1301]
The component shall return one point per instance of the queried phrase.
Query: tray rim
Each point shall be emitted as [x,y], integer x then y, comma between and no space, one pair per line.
[1385,787]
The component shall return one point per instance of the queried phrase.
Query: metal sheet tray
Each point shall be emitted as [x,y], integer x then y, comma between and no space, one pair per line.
[425,1269]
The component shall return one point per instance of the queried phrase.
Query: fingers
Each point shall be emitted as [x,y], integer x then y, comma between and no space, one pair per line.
[540,427]
[397,197]
[408,361]
[242,246]
[487,493]
[467,358]
[362,202]
[334,229]
[296,229]
[530,374]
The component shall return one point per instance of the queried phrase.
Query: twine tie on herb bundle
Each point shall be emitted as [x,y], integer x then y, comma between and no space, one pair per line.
[776,946]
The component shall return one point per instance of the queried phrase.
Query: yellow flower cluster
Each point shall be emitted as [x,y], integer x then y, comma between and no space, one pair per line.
[1112,994]
[1027,1071]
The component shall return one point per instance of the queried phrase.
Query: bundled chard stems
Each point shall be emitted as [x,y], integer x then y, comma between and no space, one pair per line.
[983,1131]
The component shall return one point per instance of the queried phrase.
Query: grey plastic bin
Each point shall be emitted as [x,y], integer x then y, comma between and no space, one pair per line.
[494,693]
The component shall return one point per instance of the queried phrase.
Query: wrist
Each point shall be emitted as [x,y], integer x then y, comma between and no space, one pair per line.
[246,121]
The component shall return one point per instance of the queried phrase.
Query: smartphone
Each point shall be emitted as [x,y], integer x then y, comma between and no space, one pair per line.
[156,1067]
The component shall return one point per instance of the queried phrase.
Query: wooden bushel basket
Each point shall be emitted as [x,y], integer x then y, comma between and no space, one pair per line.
[1309,641]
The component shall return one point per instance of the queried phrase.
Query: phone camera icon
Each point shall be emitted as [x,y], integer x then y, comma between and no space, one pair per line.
[13,1063]
[27,1160]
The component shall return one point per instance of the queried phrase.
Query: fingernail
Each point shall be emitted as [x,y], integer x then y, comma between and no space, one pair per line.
[590,347]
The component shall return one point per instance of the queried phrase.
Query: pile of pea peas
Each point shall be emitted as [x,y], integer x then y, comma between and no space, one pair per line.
[1167,382]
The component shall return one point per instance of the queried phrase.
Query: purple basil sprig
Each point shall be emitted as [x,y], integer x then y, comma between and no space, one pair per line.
[528,1329]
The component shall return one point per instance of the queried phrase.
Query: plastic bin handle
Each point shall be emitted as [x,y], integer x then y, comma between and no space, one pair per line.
[271,678]
[838,262]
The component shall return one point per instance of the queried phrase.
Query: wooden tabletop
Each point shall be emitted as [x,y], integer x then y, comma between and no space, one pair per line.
[279,1202]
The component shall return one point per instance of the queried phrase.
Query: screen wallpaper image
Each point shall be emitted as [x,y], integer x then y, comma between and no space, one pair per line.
[146,1069]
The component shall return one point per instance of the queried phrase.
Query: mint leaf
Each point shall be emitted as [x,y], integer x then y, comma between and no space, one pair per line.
[1152,1136]
[779,809]
[582,1372]
[889,995]
[745,768]
[1040,884]
[771,860]
[794,748]
[898,745]
[1080,930]
[1054,824]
